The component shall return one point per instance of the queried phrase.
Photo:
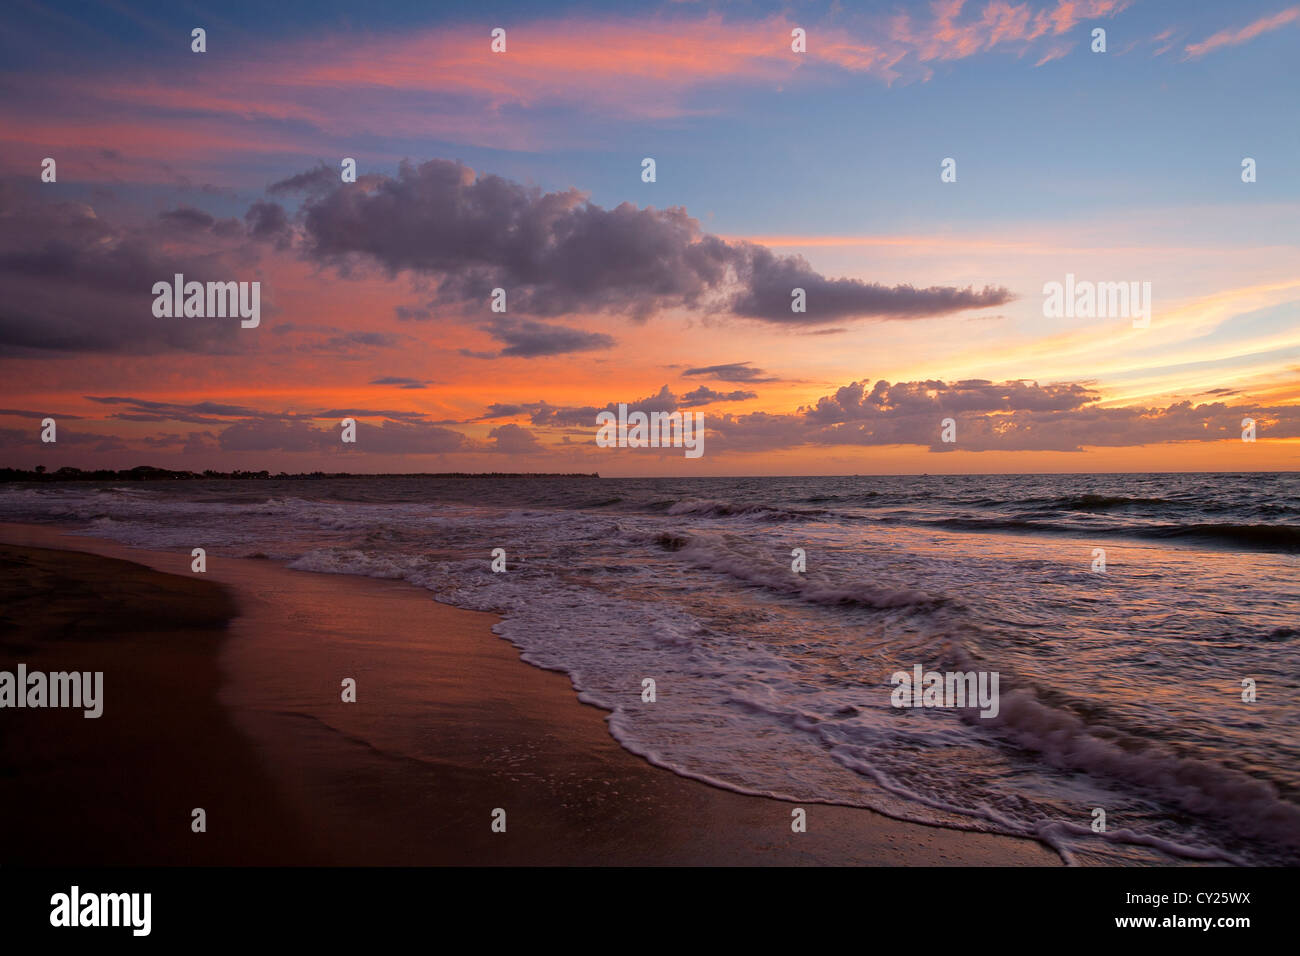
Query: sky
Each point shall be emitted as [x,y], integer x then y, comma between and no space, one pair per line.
[923,172]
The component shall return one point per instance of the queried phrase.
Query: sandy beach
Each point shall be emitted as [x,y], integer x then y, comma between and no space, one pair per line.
[223,691]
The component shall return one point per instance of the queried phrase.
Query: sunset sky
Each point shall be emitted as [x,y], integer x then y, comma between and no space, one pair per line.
[774,169]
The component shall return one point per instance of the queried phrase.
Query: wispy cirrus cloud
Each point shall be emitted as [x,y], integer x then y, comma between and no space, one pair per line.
[953,30]
[299,96]
[1237,36]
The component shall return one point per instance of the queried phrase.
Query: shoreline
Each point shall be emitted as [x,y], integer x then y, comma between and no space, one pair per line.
[449,724]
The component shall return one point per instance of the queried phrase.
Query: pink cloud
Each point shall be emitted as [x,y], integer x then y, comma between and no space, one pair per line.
[319,94]
[1053,54]
[1245,34]
[999,24]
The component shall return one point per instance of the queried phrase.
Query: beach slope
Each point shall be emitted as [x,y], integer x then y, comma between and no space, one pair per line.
[224,691]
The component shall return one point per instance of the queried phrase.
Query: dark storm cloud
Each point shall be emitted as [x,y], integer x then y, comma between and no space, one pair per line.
[558,253]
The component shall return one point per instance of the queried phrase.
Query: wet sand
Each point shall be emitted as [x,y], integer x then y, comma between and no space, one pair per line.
[246,719]
[121,788]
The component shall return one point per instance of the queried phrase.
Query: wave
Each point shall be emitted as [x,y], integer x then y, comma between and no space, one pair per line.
[1264,537]
[715,556]
[1251,807]
[713,508]
[598,503]
[857,496]
[1254,537]
[1101,502]
[993,524]
[1157,506]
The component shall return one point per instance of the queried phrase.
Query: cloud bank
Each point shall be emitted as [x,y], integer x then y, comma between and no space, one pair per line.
[558,253]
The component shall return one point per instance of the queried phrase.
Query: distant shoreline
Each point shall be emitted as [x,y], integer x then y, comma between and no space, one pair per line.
[150,473]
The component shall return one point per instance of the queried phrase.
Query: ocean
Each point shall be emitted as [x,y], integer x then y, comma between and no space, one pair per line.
[1121,689]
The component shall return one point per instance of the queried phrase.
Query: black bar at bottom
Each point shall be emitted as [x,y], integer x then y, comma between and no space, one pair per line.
[328,905]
